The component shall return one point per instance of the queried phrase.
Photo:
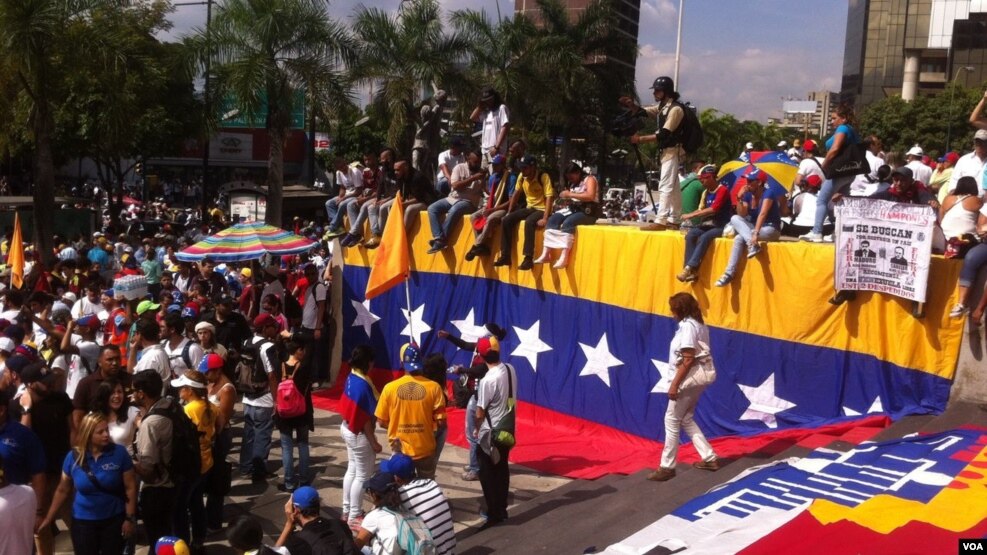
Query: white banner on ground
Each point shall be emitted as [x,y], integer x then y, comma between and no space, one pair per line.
[884,246]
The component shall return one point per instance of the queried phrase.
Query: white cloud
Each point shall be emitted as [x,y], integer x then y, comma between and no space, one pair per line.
[660,13]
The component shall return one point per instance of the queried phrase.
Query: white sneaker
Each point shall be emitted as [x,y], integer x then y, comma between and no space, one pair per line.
[827,239]
[811,237]
[958,311]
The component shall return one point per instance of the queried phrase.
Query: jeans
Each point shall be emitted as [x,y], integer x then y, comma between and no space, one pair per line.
[378,213]
[190,510]
[288,435]
[745,230]
[359,468]
[470,428]
[258,424]
[98,537]
[530,216]
[495,479]
[975,259]
[335,208]
[156,508]
[829,188]
[697,242]
[443,186]
[567,224]
[358,215]
[493,220]
[669,193]
[454,212]
[214,503]
[679,415]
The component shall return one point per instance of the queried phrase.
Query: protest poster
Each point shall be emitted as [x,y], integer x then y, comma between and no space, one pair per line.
[884,246]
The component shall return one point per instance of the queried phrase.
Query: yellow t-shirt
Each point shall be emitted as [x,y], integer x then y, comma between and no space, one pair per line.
[206,423]
[411,406]
[536,190]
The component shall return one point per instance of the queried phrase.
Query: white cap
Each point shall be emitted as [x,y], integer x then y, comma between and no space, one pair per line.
[749,146]
[980,135]
[97,234]
[783,144]
[915,151]
[185,381]
[69,296]
[7,344]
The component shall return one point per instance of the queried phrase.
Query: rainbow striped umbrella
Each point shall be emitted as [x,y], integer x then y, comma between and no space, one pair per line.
[246,241]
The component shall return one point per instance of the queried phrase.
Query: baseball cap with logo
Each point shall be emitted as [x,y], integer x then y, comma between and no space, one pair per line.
[211,361]
[708,169]
[486,345]
[756,175]
[411,357]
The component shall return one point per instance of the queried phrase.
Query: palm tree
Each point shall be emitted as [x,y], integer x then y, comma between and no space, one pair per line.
[264,55]
[403,55]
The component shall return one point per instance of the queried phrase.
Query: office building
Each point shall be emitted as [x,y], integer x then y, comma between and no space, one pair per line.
[810,116]
[912,47]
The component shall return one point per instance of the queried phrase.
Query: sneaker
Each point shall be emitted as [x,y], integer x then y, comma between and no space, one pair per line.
[526,264]
[711,465]
[336,232]
[662,475]
[372,243]
[753,250]
[811,237]
[351,240]
[687,274]
[958,311]
[724,280]
[827,239]
[470,476]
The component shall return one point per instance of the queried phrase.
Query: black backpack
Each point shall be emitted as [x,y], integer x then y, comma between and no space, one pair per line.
[186,455]
[251,376]
[292,308]
[326,537]
[690,132]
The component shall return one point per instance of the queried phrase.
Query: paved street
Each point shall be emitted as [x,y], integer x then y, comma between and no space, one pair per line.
[328,460]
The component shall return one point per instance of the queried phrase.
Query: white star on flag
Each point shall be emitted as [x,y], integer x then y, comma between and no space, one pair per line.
[599,359]
[417,323]
[665,374]
[765,404]
[530,345]
[468,331]
[875,407]
[364,318]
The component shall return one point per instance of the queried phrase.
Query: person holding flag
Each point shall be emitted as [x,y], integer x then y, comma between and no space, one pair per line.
[357,406]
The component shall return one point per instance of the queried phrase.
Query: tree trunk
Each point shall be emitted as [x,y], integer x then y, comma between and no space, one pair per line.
[44,183]
[275,175]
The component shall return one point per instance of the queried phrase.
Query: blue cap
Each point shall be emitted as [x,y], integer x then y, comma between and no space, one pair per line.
[380,483]
[411,357]
[305,497]
[174,308]
[756,175]
[498,159]
[108,293]
[399,465]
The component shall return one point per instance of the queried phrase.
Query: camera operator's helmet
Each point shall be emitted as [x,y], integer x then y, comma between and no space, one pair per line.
[665,84]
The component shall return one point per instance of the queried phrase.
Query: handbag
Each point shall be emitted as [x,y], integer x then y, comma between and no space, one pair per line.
[851,160]
[703,371]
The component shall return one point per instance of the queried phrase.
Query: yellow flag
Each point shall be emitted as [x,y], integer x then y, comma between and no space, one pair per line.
[391,266]
[15,256]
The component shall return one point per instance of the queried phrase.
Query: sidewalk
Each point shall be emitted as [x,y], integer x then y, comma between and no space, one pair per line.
[328,462]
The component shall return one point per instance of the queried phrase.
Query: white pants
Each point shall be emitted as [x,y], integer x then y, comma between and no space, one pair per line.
[359,468]
[669,194]
[679,417]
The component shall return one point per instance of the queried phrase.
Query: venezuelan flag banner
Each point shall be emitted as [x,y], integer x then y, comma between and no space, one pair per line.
[591,341]
[914,495]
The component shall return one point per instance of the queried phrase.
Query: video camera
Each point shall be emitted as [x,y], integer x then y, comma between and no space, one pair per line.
[628,123]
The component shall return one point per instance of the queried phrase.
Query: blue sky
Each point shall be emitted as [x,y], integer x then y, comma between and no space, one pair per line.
[738,56]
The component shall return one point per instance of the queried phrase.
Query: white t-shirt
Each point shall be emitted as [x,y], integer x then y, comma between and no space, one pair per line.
[310,311]
[155,358]
[687,336]
[384,526]
[866,184]
[492,393]
[351,180]
[178,364]
[969,165]
[920,171]
[124,433]
[265,401]
[450,160]
[811,165]
[84,307]
[10,315]
[17,532]
[493,122]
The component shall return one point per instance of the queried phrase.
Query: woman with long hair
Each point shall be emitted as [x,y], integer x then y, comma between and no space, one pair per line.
[379,529]
[294,430]
[684,352]
[976,257]
[222,395]
[104,508]
[843,120]
[192,388]
[111,401]
[577,205]
[271,304]
[357,406]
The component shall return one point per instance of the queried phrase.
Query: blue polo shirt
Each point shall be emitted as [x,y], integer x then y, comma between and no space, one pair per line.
[91,503]
[23,455]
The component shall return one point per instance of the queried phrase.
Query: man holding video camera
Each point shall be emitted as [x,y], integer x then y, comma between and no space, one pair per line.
[669,139]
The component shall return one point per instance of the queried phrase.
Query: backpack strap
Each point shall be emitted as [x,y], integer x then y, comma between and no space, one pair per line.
[186,356]
[96,483]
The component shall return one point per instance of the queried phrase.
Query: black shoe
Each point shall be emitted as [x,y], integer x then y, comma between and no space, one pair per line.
[471,254]
[286,488]
[842,296]
[437,245]
[482,250]
[490,523]
[526,264]
[502,261]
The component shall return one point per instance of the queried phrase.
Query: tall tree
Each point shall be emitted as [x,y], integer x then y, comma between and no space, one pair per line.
[263,54]
[403,55]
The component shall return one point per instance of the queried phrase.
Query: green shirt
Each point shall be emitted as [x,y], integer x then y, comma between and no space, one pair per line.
[692,195]
[152,271]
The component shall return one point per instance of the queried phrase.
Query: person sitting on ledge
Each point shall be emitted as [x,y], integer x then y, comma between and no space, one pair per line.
[577,205]
[536,186]
[465,195]
[713,215]
[758,218]
[500,188]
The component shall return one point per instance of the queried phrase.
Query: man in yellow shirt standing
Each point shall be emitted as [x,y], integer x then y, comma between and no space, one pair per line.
[412,408]
[536,186]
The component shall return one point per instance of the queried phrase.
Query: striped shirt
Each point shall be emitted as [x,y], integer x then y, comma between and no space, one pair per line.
[425,499]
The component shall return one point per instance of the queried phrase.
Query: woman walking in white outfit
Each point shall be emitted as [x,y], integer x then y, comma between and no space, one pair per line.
[688,349]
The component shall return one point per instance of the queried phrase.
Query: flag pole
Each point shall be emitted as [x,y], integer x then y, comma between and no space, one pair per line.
[411,321]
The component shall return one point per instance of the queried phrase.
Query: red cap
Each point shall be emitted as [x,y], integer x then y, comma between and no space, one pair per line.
[264,319]
[487,344]
[952,157]
[809,145]
[813,181]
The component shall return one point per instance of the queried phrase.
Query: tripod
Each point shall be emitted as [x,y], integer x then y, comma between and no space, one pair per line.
[640,169]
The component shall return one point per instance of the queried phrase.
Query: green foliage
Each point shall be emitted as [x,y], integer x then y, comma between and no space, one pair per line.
[926,121]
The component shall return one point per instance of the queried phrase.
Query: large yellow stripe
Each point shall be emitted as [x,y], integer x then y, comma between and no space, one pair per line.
[781,294]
